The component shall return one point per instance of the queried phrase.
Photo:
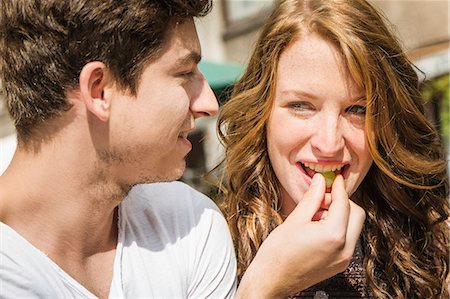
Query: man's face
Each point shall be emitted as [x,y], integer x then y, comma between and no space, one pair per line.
[148,131]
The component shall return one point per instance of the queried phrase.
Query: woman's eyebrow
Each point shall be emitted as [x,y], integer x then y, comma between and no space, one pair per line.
[299,93]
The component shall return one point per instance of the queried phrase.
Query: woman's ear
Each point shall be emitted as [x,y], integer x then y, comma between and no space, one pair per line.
[93,80]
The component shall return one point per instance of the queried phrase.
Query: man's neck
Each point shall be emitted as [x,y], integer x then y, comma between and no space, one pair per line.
[60,205]
[66,205]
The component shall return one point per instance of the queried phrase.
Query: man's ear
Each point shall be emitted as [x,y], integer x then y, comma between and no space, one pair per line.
[93,80]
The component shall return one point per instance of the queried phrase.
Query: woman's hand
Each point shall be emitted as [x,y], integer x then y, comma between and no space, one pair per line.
[312,244]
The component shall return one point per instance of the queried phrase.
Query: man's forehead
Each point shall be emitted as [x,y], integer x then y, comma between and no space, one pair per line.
[182,45]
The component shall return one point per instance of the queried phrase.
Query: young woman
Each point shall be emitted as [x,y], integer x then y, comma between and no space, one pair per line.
[328,89]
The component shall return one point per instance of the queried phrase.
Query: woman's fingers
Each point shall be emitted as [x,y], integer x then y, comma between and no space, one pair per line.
[355,224]
[310,204]
[339,210]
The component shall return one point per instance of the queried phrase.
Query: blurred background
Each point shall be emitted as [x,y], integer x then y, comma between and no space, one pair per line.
[229,32]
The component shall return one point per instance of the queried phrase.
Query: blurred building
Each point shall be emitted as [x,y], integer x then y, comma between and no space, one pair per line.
[230,31]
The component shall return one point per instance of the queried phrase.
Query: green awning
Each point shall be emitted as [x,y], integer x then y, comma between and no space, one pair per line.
[220,75]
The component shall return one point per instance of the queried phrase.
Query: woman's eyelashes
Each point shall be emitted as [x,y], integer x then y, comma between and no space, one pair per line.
[301,108]
[306,107]
[357,109]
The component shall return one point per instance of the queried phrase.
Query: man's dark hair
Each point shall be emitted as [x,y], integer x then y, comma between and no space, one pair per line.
[44,44]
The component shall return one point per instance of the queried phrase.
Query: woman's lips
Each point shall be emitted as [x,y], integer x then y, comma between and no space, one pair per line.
[311,172]
[308,170]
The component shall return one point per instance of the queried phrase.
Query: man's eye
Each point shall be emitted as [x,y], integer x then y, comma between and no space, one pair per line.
[187,74]
[357,109]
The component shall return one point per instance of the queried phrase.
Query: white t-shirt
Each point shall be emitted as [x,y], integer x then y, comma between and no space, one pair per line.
[173,243]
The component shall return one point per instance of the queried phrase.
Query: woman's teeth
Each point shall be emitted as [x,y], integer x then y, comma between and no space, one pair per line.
[323,168]
[328,171]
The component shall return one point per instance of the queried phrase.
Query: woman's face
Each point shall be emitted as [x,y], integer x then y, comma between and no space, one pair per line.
[317,120]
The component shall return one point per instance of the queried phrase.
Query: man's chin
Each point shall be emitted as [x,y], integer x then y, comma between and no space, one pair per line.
[174,175]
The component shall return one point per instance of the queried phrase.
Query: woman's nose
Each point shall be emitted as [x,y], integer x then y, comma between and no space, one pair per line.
[327,139]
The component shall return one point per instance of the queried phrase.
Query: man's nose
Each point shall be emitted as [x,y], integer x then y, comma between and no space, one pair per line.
[205,103]
[327,139]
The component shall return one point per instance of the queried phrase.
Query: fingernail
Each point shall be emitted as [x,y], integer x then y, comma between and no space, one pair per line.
[315,180]
[327,199]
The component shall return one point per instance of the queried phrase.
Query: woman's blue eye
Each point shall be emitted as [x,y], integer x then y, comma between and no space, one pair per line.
[357,109]
[300,105]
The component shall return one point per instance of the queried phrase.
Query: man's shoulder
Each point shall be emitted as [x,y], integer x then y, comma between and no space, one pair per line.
[173,204]
[26,272]
[170,195]
[172,226]
[165,188]
[171,213]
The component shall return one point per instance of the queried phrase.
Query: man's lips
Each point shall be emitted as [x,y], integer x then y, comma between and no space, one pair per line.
[185,133]
[183,137]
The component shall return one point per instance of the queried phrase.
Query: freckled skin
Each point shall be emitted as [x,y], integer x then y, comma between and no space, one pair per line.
[317,118]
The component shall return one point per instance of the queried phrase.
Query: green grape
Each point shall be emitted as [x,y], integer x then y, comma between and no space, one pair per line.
[329,178]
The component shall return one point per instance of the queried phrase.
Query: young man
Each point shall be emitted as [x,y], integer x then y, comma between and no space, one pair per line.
[103,95]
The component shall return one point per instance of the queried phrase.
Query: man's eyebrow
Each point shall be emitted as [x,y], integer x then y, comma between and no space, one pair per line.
[191,57]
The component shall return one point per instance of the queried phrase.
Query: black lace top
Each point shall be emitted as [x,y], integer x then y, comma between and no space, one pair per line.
[349,284]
